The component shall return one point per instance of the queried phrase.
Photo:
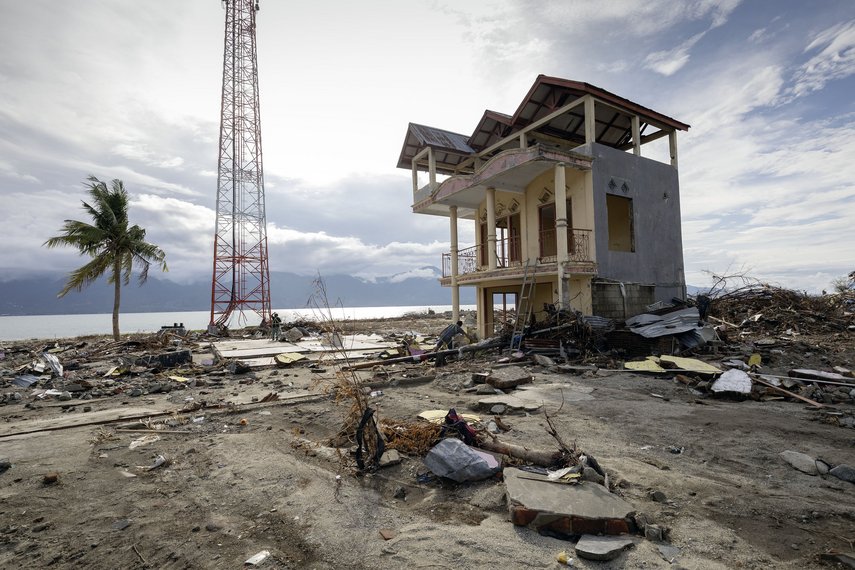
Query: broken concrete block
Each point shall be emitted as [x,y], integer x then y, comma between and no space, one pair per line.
[293,334]
[534,396]
[801,461]
[457,461]
[510,377]
[586,508]
[602,547]
[844,472]
[389,457]
[733,381]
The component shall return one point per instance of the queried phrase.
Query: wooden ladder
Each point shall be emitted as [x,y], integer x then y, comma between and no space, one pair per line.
[524,304]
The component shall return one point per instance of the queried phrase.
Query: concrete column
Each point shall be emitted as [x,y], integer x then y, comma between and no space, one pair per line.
[559,178]
[672,145]
[491,228]
[432,169]
[590,121]
[523,141]
[455,288]
[415,178]
[636,135]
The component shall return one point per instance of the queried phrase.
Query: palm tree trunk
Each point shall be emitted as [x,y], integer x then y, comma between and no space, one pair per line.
[116,298]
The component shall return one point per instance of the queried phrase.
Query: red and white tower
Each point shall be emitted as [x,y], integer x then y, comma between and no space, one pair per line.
[241,280]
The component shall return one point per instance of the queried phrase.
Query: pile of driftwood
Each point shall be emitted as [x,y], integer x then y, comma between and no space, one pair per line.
[774,310]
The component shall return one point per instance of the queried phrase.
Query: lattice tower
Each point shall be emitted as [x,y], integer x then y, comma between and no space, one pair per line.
[241,279]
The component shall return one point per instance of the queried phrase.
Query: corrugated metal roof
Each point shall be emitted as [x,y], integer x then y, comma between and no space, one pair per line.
[431,136]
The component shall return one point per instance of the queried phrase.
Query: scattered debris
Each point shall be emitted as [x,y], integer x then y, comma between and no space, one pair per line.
[257,559]
[602,547]
[453,459]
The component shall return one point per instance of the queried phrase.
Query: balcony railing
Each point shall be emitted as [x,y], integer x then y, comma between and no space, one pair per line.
[578,245]
[508,252]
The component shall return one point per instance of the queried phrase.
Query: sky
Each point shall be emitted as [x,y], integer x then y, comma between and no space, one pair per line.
[131,90]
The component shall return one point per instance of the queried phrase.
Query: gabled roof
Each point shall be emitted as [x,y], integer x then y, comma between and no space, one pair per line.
[449,148]
[547,95]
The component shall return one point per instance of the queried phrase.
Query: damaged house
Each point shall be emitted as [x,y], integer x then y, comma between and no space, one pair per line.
[568,211]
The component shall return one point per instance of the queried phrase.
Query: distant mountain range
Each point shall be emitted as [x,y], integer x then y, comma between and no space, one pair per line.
[36,295]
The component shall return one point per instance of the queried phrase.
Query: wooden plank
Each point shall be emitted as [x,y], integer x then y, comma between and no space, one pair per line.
[790,394]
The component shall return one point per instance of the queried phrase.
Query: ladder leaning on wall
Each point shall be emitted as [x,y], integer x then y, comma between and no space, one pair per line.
[524,304]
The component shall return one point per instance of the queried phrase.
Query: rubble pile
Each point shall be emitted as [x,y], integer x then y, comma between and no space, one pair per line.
[765,309]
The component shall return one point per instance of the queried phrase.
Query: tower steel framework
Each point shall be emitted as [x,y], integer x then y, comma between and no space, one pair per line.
[241,279]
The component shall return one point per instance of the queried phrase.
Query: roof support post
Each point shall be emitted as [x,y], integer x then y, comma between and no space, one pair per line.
[636,135]
[672,145]
[455,288]
[590,120]
[491,228]
[432,168]
[523,140]
[559,179]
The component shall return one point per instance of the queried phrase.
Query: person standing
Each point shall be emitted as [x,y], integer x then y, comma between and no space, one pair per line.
[275,326]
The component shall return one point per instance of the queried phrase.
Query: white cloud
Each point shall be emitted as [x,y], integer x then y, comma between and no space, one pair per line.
[835,58]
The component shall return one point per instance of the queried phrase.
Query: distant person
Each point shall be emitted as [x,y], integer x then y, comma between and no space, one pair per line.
[446,339]
[275,326]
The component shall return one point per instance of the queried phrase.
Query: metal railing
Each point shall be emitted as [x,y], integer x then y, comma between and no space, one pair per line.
[509,252]
[578,245]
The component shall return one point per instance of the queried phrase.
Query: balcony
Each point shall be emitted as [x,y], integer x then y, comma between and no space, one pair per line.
[472,261]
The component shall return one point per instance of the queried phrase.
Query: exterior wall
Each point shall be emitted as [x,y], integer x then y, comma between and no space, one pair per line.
[541,190]
[614,302]
[654,190]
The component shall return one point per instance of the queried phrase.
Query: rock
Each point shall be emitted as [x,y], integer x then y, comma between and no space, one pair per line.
[654,533]
[485,390]
[542,360]
[733,381]
[457,461]
[590,474]
[65,396]
[586,508]
[5,465]
[669,553]
[822,467]
[844,473]
[658,496]
[602,547]
[50,478]
[389,457]
[400,494]
[498,409]
[801,461]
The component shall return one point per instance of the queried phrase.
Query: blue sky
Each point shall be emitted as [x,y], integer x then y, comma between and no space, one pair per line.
[131,90]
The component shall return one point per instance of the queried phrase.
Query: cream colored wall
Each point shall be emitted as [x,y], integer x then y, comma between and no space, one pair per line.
[578,186]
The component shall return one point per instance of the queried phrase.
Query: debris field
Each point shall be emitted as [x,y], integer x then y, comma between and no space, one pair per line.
[677,439]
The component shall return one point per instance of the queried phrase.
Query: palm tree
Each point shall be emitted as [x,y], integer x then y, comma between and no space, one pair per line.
[110,242]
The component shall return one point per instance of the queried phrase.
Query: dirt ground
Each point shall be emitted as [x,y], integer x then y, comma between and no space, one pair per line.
[259,476]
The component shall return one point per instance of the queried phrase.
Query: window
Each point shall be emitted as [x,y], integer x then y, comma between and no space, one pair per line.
[621,235]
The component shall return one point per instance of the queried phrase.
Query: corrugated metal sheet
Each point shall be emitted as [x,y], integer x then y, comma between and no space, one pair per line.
[654,326]
[439,138]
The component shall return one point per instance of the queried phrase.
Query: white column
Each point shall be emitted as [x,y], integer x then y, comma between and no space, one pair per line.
[432,168]
[636,135]
[590,120]
[455,288]
[672,145]
[559,178]
[491,228]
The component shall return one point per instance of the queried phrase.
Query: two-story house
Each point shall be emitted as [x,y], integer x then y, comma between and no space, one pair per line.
[561,198]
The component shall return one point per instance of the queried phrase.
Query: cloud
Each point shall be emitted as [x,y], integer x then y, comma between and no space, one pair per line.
[834,58]
[669,62]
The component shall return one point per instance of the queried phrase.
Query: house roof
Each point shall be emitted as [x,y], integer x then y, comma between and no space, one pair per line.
[546,95]
[450,148]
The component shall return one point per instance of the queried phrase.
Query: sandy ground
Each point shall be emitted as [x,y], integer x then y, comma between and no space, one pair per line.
[230,491]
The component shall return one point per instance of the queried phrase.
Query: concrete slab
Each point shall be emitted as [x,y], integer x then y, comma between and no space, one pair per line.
[531,397]
[584,508]
[602,547]
[254,348]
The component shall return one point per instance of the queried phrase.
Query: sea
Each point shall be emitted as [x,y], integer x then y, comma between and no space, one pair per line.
[63,326]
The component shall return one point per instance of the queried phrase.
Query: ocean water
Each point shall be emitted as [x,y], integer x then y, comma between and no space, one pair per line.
[60,326]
